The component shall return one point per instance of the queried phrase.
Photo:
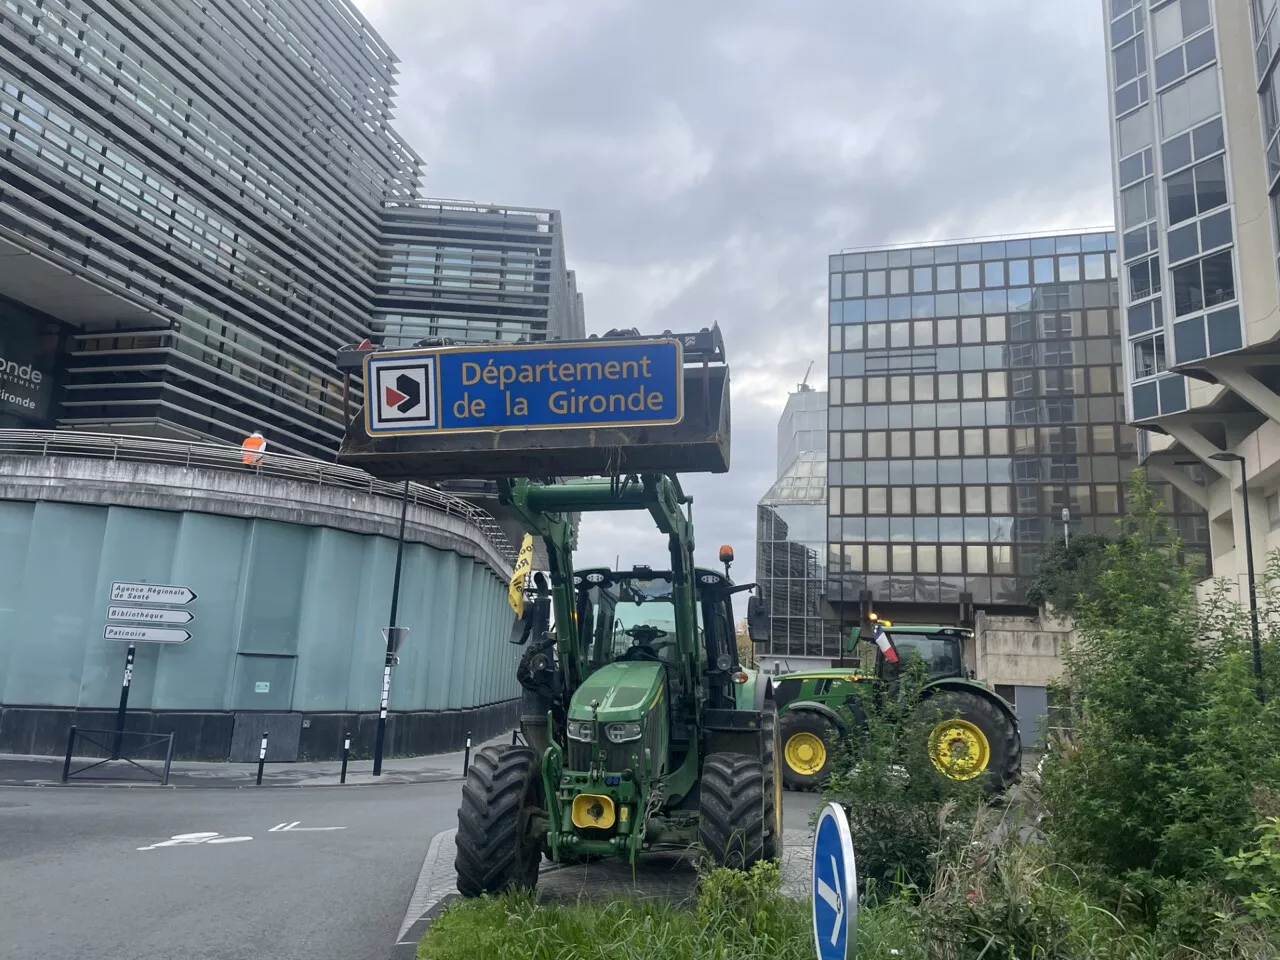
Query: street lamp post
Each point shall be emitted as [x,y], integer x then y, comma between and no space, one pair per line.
[392,638]
[1248,546]
[1066,527]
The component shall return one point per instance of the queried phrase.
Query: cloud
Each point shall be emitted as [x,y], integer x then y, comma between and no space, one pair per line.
[708,157]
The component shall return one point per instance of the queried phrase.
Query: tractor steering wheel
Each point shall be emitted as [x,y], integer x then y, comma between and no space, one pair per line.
[646,639]
[645,634]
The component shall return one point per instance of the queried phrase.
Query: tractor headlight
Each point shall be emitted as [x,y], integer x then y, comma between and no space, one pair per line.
[579,730]
[623,732]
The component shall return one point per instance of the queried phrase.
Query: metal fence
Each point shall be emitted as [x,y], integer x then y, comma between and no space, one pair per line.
[218,456]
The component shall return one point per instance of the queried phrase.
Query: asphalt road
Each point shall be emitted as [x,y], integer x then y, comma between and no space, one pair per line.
[73,882]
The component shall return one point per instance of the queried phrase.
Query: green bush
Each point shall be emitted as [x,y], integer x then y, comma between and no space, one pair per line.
[1169,740]
[902,812]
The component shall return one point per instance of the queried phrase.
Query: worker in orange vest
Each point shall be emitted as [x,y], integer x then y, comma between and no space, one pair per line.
[252,448]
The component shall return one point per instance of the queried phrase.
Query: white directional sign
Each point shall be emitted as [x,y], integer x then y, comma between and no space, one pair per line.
[118,631]
[151,593]
[835,886]
[183,839]
[295,827]
[149,615]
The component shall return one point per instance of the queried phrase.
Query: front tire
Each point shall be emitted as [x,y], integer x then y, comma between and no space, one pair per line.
[497,849]
[731,810]
[971,737]
[773,782]
[806,749]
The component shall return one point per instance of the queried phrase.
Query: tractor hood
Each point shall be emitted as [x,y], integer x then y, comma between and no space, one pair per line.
[625,690]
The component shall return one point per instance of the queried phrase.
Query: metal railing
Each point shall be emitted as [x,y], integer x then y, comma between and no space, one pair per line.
[219,456]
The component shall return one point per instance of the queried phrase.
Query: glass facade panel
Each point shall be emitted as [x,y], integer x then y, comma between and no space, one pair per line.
[1012,409]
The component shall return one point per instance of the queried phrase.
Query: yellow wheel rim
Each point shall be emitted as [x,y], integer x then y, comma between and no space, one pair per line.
[806,754]
[959,749]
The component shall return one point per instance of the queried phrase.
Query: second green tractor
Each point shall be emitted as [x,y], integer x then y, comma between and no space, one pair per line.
[973,733]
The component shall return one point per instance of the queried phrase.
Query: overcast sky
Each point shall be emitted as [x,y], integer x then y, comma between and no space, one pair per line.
[708,155]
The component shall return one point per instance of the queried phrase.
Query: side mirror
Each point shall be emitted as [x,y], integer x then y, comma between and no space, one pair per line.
[537,615]
[757,620]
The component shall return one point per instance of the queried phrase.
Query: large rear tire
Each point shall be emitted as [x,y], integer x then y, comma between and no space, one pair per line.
[971,737]
[773,783]
[806,749]
[731,810]
[497,849]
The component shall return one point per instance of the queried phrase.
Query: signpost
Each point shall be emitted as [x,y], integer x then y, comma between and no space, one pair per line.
[835,887]
[132,626]
[151,593]
[535,386]
[148,615]
[114,631]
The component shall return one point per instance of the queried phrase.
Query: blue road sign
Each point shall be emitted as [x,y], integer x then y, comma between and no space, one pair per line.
[835,887]
[535,386]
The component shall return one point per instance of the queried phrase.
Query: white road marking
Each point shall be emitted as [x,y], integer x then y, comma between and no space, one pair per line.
[294,828]
[185,839]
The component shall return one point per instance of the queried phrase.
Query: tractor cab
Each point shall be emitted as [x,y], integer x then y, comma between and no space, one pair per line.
[630,616]
[940,647]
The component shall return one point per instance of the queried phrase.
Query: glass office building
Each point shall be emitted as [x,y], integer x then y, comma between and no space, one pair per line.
[465,271]
[791,535]
[196,194]
[201,204]
[976,390]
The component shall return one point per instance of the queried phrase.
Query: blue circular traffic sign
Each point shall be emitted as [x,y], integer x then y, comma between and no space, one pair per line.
[835,886]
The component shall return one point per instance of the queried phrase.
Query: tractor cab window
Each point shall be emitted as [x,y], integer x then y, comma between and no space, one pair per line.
[940,654]
[646,617]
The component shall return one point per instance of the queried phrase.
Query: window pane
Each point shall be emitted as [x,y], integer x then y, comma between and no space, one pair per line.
[922,278]
[926,501]
[952,559]
[1068,268]
[976,558]
[1180,190]
[997,385]
[947,277]
[877,500]
[1219,282]
[853,284]
[927,559]
[970,276]
[875,283]
[853,501]
[1188,295]
[1148,356]
[948,387]
[898,281]
[901,500]
[1211,185]
[975,501]
[1044,270]
[1000,501]
[900,389]
[949,499]
[853,446]
[948,443]
[900,443]
[877,558]
[994,274]
[877,444]
[974,442]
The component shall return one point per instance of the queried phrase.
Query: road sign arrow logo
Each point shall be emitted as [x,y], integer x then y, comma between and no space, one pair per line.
[831,895]
[407,393]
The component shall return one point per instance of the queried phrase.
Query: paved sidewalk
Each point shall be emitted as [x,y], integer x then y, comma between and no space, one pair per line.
[47,771]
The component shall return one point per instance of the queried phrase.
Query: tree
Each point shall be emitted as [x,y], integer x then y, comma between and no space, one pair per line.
[1069,571]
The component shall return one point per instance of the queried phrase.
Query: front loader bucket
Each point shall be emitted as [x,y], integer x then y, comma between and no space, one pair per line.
[697,443]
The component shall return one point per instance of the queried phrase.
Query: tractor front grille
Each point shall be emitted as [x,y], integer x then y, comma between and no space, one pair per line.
[617,756]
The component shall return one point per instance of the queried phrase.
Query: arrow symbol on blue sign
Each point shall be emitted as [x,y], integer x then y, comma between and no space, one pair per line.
[832,897]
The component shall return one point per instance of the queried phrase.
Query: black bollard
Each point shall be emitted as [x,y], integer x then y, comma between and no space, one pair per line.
[346,752]
[466,756]
[262,756]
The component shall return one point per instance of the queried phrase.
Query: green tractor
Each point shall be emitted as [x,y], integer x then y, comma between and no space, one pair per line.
[976,734]
[641,728]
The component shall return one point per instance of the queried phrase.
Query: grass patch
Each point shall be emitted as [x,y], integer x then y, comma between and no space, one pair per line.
[734,917]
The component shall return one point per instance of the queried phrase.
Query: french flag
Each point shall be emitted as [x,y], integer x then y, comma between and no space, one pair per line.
[886,647]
